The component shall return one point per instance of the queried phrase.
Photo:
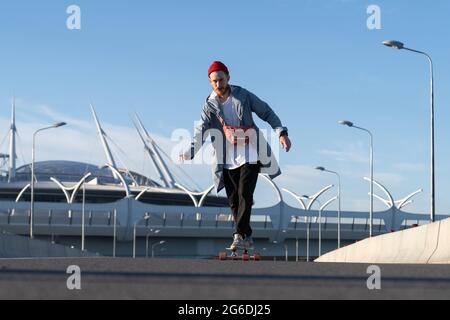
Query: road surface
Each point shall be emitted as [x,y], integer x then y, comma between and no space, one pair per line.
[174,279]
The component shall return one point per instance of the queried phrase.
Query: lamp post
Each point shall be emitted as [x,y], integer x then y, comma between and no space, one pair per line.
[399,45]
[339,202]
[147,239]
[82,220]
[134,239]
[308,226]
[145,218]
[312,199]
[114,232]
[326,204]
[351,125]
[286,253]
[56,125]
[156,244]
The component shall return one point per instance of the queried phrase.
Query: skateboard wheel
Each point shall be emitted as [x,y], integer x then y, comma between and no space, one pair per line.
[257,257]
[245,257]
[222,256]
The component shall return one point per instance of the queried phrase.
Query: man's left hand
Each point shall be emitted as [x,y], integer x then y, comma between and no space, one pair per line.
[286,143]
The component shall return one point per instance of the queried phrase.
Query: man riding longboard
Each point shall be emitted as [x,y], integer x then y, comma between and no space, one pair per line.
[241,151]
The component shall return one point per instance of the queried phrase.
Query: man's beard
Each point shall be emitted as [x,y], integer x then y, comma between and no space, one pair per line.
[222,91]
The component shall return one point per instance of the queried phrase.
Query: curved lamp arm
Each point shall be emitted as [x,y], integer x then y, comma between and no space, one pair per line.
[78,186]
[297,197]
[192,195]
[277,190]
[74,188]
[62,187]
[205,194]
[189,193]
[22,192]
[326,204]
[119,175]
[142,193]
[386,202]
[318,194]
[404,202]
[391,199]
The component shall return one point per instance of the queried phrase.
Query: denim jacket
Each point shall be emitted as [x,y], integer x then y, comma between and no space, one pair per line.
[245,104]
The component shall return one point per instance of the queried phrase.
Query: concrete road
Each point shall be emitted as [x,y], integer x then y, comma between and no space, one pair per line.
[106,278]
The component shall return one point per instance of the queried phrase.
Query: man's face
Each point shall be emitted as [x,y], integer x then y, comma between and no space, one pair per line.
[219,81]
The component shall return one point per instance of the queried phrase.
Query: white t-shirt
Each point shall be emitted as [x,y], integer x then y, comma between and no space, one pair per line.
[239,154]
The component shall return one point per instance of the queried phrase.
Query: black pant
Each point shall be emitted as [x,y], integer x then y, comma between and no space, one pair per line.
[240,185]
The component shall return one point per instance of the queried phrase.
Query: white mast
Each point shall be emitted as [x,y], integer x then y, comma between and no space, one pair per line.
[151,145]
[12,143]
[152,157]
[106,148]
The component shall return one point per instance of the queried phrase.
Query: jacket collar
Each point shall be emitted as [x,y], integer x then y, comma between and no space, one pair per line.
[214,104]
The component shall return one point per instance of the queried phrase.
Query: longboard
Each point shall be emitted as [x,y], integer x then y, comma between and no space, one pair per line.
[239,254]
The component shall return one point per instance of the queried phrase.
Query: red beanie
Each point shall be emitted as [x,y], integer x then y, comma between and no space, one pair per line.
[218,66]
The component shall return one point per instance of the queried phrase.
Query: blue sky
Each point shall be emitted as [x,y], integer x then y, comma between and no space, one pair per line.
[314,62]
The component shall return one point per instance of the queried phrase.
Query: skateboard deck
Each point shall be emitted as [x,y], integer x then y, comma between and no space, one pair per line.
[243,254]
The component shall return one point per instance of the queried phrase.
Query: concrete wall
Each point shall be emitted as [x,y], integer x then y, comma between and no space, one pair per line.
[421,245]
[12,246]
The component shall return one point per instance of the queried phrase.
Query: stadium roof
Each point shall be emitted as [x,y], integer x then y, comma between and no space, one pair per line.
[70,171]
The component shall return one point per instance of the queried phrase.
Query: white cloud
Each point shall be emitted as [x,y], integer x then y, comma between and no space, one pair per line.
[388,179]
[57,117]
[294,176]
[411,167]
[350,152]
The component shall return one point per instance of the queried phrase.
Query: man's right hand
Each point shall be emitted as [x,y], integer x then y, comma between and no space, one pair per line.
[285,143]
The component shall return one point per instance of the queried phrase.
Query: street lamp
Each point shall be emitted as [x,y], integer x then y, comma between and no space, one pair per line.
[145,218]
[134,239]
[286,253]
[312,199]
[308,226]
[320,222]
[147,238]
[156,244]
[56,125]
[82,220]
[351,125]
[399,45]
[114,232]
[339,198]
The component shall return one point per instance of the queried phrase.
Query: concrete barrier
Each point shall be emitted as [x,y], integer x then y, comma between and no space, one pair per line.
[442,252]
[420,245]
[13,246]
